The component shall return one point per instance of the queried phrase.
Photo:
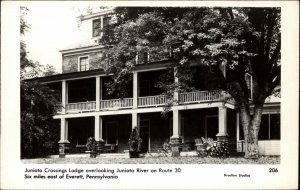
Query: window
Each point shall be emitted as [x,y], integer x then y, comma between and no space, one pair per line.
[269,127]
[83,64]
[142,57]
[248,78]
[97,27]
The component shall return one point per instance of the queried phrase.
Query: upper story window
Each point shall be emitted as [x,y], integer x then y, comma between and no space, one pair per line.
[83,64]
[97,27]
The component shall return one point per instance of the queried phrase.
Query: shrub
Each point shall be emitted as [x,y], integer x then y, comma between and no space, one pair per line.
[134,143]
[91,145]
[210,149]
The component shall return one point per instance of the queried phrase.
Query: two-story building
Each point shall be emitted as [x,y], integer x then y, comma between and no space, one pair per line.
[89,110]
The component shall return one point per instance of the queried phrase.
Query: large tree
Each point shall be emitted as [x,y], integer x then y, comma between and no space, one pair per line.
[245,40]
[38,104]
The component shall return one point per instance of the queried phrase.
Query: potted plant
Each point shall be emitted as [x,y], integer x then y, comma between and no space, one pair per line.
[91,146]
[134,143]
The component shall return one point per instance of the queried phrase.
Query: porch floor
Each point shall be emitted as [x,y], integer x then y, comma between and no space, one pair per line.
[87,155]
[125,155]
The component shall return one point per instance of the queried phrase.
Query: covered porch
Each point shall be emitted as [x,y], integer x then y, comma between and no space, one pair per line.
[179,127]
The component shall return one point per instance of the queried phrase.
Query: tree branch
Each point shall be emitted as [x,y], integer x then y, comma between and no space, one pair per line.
[275,55]
[270,27]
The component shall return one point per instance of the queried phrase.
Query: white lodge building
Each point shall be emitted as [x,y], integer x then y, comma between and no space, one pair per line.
[89,111]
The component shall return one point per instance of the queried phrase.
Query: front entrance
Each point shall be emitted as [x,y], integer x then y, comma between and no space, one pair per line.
[111,132]
[211,126]
[145,135]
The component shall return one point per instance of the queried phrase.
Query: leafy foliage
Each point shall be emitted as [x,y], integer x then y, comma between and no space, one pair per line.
[134,143]
[210,149]
[91,145]
[39,132]
[243,40]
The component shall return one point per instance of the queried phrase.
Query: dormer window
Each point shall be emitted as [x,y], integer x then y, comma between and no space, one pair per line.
[97,29]
[83,63]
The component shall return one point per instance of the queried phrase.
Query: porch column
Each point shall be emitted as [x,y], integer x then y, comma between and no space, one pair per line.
[240,143]
[98,93]
[238,126]
[135,120]
[98,134]
[64,96]
[176,80]
[135,89]
[222,136]
[63,143]
[98,128]
[176,138]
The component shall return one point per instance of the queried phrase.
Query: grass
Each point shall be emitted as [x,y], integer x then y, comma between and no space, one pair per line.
[155,160]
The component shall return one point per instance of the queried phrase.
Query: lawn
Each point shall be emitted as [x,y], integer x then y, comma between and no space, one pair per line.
[154,160]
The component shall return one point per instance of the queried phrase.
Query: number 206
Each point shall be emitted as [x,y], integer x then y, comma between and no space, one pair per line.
[273,170]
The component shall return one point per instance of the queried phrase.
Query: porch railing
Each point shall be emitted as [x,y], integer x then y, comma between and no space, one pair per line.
[81,106]
[201,96]
[148,101]
[116,103]
[152,100]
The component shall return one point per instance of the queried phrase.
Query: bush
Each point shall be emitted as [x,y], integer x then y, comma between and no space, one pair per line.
[91,145]
[219,152]
[134,143]
[210,149]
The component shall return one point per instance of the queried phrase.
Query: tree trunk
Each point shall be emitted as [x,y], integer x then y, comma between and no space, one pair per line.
[251,127]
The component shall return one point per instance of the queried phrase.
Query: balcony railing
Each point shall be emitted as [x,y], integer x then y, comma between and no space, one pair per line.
[81,106]
[116,103]
[149,101]
[201,96]
[152,101]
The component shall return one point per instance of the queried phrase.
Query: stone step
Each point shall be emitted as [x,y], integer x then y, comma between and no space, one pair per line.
[113,155]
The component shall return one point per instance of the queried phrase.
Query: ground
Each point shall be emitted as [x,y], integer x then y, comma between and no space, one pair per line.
[154,160]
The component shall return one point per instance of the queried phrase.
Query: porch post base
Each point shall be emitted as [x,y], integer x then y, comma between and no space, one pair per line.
[63,149]
[222,140]
[175,146]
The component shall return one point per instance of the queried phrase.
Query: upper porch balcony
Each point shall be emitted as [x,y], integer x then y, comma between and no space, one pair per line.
[148,101]
[92,95]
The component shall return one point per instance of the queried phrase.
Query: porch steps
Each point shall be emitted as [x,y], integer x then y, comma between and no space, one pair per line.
[112,155]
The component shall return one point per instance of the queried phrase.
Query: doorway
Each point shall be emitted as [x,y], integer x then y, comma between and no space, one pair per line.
[145,135]
[211,126]
[111,132]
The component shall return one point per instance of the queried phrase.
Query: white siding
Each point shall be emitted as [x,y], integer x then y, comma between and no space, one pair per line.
[86,29]
[267,147]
